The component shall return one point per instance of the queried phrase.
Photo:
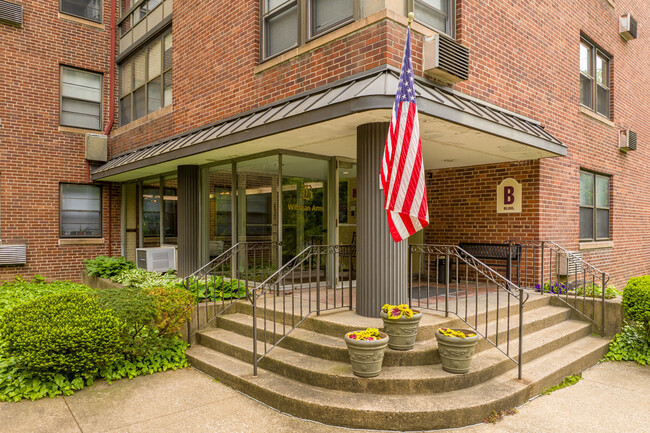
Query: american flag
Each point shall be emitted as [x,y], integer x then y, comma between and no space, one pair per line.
[402,171]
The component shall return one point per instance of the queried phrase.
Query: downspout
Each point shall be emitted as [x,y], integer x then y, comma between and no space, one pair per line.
[111,118]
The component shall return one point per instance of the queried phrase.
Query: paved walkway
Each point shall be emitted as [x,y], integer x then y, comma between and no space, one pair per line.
[611,397]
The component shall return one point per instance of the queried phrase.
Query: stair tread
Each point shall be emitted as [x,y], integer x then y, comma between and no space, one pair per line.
[491,390]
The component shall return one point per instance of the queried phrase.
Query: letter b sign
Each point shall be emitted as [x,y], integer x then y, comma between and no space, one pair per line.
[509,196]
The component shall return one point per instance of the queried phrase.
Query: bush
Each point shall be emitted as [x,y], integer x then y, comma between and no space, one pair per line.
[595,290]
[64,333]
[629,345]
[173,307]
[20,291]
[147,280]
[216,288]
[636,303]
[108,267]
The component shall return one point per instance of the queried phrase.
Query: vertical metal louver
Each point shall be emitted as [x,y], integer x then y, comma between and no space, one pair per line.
[627,140]
[11,13]
[446,59]
[627,27]
[13,254]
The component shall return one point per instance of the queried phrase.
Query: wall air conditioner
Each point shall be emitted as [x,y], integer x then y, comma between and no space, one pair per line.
[11,13]
[445,60]
[626,140]
[13,254]
[627,27]
[156,259]
[569,265]
[96,147]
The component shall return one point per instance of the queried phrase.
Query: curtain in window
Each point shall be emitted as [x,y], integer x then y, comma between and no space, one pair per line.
[81,207]
[81,95]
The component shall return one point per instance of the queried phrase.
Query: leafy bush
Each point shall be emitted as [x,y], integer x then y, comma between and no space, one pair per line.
[19,291]
[595,290]
[636,303]
[216,288]
[629,345]
[108,267]
[173,306]
[64,333]
[147,280]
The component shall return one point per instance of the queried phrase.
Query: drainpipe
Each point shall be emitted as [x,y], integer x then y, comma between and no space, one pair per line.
[111,118]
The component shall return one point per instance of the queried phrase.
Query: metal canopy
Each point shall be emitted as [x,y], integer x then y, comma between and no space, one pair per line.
[371,90]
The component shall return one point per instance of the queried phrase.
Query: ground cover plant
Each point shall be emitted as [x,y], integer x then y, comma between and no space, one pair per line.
[108,267]
[567,381]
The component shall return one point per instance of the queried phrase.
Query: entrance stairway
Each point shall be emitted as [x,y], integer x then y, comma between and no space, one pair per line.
[308,374]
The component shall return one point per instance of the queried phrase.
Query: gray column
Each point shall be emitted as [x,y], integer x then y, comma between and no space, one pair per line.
[381,263]
[188,219]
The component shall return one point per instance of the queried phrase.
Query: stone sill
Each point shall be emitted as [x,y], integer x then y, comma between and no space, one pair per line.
[596,116]
[82,241]
[342,32]
[78,20]
[141,121]
[79,130]
[596,245]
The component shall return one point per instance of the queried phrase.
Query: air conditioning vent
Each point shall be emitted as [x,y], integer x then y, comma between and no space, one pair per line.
[11,13]
[13,254]
[445,59]
[96,147]
[156,259]
[627,27]
[626,140]
[570,264]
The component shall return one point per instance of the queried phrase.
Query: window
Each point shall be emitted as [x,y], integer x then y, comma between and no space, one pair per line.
[86,9]
[80,211]
[594,78]
[81,98]
[281,21]
[146,79]
[594,206]
[136,15]
[437,14]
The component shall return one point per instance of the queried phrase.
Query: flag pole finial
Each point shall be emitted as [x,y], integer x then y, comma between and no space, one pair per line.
[410,18]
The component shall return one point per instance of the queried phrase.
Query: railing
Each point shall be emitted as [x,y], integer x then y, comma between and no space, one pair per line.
[568,277]
[301,287]
[227,278]
[458,275]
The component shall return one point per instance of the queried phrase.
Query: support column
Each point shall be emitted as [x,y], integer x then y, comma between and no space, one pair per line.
[188,219]
[381,263]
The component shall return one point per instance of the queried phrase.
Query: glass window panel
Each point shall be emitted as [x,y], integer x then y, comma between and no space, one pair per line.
[585,91]
[602,100]
[431,17]
[125,110]
[602,191]
[139,69]
[155,61]
[586,223]
[154,96]
[126,78]
[602,71]
[80,114]
[602,223]
[88,9]
[328,13]
[441,5]
[80,121]
[139,103]
[170,206]
[152,4]
[269,5]
[585,59]
[167,88]
[151,203]
[81,84]
[586,189]
[80,210]
[282,31]
[167,61]
[140,13]
[221,206]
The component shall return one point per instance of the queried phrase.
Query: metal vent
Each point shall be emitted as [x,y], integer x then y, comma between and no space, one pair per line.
[11,13]
[446,59]
[627,140]
[13,254]
[571,264]
[627,27]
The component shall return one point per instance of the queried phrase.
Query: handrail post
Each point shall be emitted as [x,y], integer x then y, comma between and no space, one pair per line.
[254,336]
[189,325]
[602,318]
[541,274]
[317,281]
[521,332]
[447,280]
[410,268]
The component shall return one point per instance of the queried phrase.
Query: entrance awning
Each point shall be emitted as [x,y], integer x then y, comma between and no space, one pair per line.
[456,129]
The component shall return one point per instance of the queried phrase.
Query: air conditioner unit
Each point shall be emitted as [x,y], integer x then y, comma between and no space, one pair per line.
[445,59]
[627,27]
[11,13]
[96,147]
[13,254]
[156,259]
[626,140]
[570,264]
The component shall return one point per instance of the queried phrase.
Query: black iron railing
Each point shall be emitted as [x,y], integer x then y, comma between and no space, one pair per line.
[447,278]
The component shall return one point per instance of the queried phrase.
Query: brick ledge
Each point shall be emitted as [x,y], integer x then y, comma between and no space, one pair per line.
[596,116]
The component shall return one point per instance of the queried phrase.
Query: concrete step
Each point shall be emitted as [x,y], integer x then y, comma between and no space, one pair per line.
[400,412]
[392,380]
[425,351]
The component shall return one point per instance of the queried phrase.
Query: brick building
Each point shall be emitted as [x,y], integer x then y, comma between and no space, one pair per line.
[240,121]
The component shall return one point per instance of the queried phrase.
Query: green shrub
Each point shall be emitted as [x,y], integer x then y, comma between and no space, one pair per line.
[629,345]
[108,267]
[147,280]
[595,290]
[173,307]
[216,288]
[636,303]
[19,291]
[66,333]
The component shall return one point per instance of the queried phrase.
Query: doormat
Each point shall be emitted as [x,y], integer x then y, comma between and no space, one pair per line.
[427,292]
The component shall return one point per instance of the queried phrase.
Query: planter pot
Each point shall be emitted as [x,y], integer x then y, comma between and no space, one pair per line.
[366,356]
[401,332]
[456,353]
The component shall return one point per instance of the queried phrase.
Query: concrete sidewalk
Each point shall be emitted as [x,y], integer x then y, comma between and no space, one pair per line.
[611,397]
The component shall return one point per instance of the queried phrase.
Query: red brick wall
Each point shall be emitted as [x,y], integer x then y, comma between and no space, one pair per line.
[34,156]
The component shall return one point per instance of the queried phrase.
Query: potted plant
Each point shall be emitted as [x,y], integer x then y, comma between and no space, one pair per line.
[366,350]
[456,348]
[401,324]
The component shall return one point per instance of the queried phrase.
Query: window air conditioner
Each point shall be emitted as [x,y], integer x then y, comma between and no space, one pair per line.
[13,254]
[156,259]
[569,265]
[626,140]
[445,59]
[96,147]
[11,13]
[627,27]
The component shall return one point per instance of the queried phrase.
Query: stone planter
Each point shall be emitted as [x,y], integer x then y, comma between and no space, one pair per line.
[366,357]
[456,353]
[402,332]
